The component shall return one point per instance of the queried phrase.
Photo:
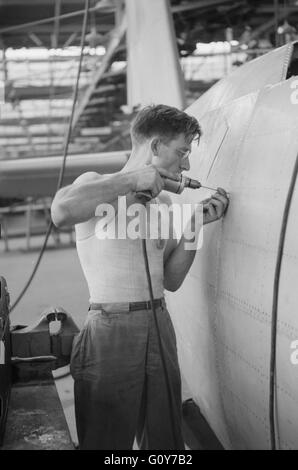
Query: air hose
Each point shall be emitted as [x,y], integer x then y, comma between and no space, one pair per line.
[162,356]
[282,236]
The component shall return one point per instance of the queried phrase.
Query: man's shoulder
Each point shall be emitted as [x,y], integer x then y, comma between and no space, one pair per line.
[87,176]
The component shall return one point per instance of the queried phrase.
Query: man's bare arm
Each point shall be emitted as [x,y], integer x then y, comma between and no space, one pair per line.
[178,260]
[77,202]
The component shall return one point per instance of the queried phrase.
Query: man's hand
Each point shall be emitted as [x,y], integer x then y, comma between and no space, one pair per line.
[149,178]
[215,207]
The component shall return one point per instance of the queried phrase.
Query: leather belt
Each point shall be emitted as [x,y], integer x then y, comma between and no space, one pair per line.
[128,306]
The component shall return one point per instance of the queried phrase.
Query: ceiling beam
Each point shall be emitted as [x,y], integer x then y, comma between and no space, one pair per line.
[270,9]
[55,35]
[70,40]
[27,3]
[66,30]
[20,150]
[84,134]
[31,120]
[91,110]
[103,100]
[55,58]
[12,136]
[16,141]
[37,92]
[86,139]
[268,25]
[51,19]
[36,40]
[199,4]
[87,131]
[107,88]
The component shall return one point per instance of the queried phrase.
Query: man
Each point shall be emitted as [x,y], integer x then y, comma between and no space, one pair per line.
[121,391]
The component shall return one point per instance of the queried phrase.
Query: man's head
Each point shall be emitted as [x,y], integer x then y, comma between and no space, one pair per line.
[169,132]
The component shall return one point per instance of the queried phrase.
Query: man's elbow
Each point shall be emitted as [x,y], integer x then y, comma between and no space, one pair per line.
[172,286]
[59,215]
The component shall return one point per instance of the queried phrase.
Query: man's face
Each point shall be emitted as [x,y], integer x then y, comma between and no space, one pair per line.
[173,155]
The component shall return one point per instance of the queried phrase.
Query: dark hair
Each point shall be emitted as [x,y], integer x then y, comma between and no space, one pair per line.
[164,121]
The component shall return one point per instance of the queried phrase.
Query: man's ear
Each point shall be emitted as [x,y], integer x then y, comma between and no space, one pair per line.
[155,143]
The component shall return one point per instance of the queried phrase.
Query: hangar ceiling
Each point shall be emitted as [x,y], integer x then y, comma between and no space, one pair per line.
[39,85]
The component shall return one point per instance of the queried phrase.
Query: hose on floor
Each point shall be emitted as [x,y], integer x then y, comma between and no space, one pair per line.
[162,356]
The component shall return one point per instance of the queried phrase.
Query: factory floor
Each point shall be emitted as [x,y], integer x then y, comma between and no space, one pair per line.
[59,282]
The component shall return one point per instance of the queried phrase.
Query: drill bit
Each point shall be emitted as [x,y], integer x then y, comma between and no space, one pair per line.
[207,187]
[195,184]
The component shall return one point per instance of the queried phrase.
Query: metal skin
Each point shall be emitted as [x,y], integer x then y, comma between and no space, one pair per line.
[222,313]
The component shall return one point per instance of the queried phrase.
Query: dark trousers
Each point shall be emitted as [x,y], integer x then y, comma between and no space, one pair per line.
[120,388]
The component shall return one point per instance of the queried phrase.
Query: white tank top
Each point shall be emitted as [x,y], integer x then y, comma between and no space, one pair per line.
[114,268]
